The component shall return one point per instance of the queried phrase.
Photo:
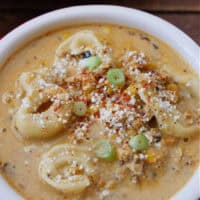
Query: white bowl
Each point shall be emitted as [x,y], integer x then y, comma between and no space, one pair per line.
[108,14]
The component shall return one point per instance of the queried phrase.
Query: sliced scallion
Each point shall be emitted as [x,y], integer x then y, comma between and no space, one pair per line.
[139,142]
[93,62]
[105,151]
[80,109]
[116,77]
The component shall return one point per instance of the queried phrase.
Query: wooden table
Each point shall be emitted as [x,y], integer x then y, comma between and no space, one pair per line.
[185,14]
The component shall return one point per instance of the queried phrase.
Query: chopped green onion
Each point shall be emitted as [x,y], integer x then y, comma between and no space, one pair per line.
[93,62]
[105,151]
[79,109]
[139,142]
[116,77]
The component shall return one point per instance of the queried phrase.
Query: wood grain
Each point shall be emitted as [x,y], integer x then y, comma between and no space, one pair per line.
[187,22]
[149,5]
[185,14]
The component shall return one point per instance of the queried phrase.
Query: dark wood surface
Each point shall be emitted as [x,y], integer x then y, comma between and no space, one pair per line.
[185,14]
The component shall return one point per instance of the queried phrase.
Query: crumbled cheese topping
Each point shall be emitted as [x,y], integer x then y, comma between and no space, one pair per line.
[121,113]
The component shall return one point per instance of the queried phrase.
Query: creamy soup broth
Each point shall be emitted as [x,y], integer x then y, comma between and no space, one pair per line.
[20,158]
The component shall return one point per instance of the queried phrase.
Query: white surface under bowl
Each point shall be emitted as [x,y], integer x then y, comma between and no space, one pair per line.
[107,14]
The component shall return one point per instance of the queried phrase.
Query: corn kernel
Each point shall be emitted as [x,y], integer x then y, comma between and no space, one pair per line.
[151,157]
[131,90]
[106,29]
[151,66]
[109,89]
[173,87]
[65,35]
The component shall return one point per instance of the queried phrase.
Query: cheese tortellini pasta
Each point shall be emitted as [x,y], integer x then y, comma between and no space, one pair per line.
[76,45]
[171,120]
[65,167]
[33,123]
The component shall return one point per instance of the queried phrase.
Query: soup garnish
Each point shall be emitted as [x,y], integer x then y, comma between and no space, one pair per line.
[105,115]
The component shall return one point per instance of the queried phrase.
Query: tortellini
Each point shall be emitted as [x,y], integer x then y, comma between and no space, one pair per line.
[32,123]
[170,120]
[66,168]
[177,128]
[187,78]
[76,45]
[193,86]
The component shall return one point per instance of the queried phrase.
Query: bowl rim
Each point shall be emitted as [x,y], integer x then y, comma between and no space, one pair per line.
[106,14]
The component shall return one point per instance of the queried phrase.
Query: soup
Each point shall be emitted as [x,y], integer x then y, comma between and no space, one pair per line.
[98,112]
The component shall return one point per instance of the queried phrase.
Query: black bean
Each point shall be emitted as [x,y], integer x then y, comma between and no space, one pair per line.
[153,122]
[144,38]
[155,46]
[86,54]
[157,138]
